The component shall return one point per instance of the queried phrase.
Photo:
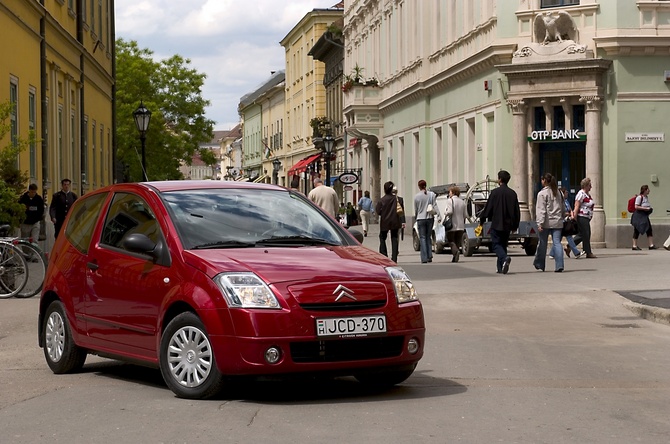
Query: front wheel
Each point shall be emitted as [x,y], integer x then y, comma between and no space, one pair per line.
[60,351]
[187,360]
[385,377]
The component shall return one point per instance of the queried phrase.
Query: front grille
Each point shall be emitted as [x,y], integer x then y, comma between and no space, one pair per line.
[345,306]
[347,349]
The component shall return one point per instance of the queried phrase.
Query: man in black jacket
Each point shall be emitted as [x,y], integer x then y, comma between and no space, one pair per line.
[502,209]
[60,204]
[34,212]
[390,220]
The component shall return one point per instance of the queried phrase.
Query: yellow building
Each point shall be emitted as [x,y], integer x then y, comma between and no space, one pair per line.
[305,93]
[57,65]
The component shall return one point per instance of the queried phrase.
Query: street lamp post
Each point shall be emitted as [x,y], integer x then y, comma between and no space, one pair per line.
[142,118]
[328,143]
[276,164]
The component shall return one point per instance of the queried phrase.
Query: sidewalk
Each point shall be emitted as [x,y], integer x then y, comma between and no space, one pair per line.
[641,278]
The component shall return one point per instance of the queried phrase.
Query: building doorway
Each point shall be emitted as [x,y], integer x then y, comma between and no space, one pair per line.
[566,161]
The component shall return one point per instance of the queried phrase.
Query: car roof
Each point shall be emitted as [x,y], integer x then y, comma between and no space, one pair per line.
[185,185]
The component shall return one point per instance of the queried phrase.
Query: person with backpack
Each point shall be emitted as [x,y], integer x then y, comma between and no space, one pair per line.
[640,219]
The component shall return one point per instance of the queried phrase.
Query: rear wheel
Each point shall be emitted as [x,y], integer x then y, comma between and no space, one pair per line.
[468,245]
[187,360]
[60,351]
[37,268]
[416,242]
[385,377]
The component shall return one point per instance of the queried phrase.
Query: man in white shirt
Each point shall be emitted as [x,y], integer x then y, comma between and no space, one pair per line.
[325,197]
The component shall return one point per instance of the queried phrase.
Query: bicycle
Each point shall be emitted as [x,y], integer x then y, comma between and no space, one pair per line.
[35,266]
[13,270]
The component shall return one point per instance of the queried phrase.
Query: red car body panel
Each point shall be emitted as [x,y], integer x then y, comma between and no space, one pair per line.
[117,302]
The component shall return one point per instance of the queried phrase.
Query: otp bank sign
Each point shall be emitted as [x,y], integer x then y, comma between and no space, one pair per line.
[571,134]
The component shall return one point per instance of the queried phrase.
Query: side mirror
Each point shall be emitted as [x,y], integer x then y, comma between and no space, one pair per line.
[140,243]
[357,234]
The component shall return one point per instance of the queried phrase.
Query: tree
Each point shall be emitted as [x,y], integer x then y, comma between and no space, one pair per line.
[172,91]
[12,180]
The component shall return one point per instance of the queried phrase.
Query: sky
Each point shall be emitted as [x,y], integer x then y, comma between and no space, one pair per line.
[234,42]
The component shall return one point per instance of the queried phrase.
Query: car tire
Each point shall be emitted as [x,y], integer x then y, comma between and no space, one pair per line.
[468,245]
[60,351]
[416,242]
[386,377]
[187,360]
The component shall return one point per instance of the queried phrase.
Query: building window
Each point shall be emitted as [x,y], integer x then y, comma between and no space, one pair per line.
[60,138]
[540,123]
[32,117]
[559,118]
[94,166]
[93,16]
[578,117]
[556,3]
[14,118]
[84,152]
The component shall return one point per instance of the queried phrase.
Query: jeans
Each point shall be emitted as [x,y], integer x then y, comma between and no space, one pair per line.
[556,248]
[32,231]
[425,227]
[584,235]
[572,245]
[394,243]
[499,241]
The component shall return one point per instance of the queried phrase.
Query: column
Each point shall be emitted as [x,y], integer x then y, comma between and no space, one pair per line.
[520,155]
[594,165]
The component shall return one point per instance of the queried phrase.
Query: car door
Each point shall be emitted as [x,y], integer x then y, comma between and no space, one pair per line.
[125,289]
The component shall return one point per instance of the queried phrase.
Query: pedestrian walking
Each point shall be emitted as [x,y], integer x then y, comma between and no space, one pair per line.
[30,227]
[571,247]
[502,209]
[402,213]
[549,215]
[61,202]
[391,211]
[365,210]
[456,211]
[325,197]
[425,209]
[584,213]
[640,219]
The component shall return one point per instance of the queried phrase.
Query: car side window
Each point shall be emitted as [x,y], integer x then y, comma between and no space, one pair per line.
[86,212]
[129,214]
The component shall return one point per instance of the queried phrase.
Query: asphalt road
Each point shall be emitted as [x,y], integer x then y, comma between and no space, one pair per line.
[527,357]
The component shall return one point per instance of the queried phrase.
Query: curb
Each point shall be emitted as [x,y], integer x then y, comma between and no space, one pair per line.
[655,314]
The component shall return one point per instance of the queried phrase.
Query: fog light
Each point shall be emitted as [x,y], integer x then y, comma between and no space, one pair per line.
[272,355]
[413,346]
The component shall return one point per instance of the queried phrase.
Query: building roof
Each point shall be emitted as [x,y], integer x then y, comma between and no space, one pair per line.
[275,79]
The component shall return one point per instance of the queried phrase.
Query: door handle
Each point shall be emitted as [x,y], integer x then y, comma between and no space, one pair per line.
[92,265]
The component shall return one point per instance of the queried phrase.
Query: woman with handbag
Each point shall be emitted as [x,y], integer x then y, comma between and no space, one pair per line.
[425,209]
[549,214]
[454,221]
[571,247]
[640,219]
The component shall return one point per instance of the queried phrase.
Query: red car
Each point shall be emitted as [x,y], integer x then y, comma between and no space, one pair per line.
[210,279]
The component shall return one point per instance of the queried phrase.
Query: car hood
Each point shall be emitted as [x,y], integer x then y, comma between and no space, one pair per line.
[282,264]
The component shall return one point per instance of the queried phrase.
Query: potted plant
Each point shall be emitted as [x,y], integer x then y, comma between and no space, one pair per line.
[319,125]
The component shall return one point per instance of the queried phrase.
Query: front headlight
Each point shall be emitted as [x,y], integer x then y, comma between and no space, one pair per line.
[402,284]
[246,290]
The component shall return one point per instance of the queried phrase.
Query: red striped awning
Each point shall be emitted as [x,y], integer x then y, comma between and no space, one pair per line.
[302,164]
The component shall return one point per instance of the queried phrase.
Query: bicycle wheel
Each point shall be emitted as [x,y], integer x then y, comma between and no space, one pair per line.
[13,270]
[37,268]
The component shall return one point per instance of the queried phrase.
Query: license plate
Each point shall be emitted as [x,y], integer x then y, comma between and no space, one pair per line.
[351,327]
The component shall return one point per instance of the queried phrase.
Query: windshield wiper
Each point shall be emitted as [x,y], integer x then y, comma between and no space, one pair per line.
[295,240]
[224,244]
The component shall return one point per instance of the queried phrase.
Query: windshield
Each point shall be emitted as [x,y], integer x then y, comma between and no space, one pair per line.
[238,218]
